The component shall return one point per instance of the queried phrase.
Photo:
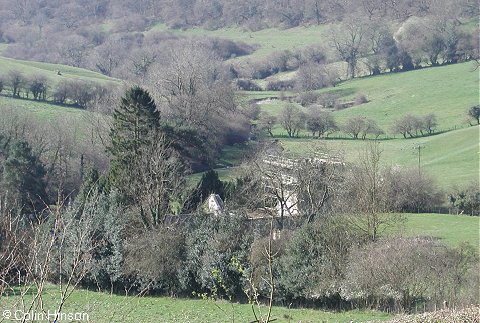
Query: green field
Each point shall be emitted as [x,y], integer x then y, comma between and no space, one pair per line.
[450,229]
[47,113]
[103,307]
[29,68]
[268,40]
[38,109]
[446,91]
[451,157]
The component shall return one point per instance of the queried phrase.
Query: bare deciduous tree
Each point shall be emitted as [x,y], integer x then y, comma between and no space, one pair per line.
[313,76]
[354,126]
[430,123]
[157,181]
[15,81]
[292,119]
[108,56]
[367,194]
[267,122]
[405,126]
[320,122]
[349,40]
[38,86]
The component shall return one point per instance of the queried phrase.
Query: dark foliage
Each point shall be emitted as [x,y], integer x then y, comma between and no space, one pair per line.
[247,85]
[23,180]
[135,125]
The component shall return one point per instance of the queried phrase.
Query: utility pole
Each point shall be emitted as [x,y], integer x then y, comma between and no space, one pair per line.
[419,147]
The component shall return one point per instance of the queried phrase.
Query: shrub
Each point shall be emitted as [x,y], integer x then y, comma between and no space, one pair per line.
[466,200]
[154,257]
[62,92]
[286,85]
[38,87]
[315,259]
[327,100]
[275,63]
[259,262]
[409,191]
[414,126]
[79,93]
[307,98]
[397,273]
[226,48]
[320,122]
[360,98]
[247,85]
[212,244]
[312,76]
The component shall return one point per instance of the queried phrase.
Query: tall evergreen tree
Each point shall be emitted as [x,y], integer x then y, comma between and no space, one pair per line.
[135,125]
[135,122]
[23,180]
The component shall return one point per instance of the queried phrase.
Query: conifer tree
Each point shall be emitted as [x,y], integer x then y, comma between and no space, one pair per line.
[135,125]
[23,180]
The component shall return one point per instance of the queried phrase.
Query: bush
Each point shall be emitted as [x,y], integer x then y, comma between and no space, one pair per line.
[315,259]
[307,98]
[415,126]
[275,63]
[313,76]
[397,273]
[360,98]
[466,200]
[409,191]
[79,93]
[287,85]
[154,257]
[361,127]
[247,85]
[328,100]
[320,122]
[227,49]
[213,244]
[38,87]
[62,92]
[91,238]
[259,262]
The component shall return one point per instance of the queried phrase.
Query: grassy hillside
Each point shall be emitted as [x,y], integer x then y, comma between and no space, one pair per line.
[450,229]
[446,91]
[50,70]
[451,157]
[46,111]
[268,40]
[37,109]
[103,307]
